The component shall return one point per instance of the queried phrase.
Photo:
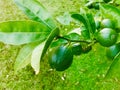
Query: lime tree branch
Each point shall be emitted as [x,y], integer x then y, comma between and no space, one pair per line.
[69,40]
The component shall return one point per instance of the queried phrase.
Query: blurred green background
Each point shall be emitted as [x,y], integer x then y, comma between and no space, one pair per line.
[86,73]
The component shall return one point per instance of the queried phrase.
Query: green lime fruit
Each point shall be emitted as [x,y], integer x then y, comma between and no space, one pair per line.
[107,37]
[112,51]
[106,1]
[76,49]
[61,58]
[107,23]
[86,49]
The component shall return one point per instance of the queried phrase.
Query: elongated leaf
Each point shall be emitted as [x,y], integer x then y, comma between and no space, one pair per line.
[22,32]
[41,49]
[87,20]
[73,36]
[23,26]
[36,55]
[109,11]
[80,18]
[18,38]
[58,42]
[85,33]
[23,58]
[35,11]
[52,35]
[84,20]
[114,70]
[76,30]
[92,22]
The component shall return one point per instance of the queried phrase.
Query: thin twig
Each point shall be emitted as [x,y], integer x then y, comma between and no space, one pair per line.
[88,42]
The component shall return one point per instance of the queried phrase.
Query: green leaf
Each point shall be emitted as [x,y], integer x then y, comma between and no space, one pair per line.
[22,32]
[23,58]
[18,38]
[34,52]
[82,19]
[65,19]
[52,35]
[114,69]
[58,42]
[72,36]
[92,22]
[35,58]
[87,20]
[79,33]
[75,30]
[41,49]
[89,23]
[84,33]
[23,26]
[35,11]
[109,11]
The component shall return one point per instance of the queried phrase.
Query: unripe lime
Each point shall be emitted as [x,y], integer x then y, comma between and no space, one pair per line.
[61,58]
[107,37]
[113,50]
[107,23]
[86,49]
[76,49]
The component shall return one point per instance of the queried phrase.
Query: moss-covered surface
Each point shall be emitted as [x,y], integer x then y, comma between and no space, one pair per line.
[86,73]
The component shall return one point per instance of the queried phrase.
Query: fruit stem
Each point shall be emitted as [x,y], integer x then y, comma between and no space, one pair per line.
[69,40]
[92,43]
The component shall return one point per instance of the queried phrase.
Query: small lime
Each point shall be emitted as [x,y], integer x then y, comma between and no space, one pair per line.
[76,49]
[60,58]
[86,49]
[107,37]
[113,50]
[107,23]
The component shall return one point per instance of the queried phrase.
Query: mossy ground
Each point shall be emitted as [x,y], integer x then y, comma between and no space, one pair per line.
[86,73]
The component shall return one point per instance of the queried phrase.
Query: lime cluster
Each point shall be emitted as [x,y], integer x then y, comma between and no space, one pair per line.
[61,57]
[107,36]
